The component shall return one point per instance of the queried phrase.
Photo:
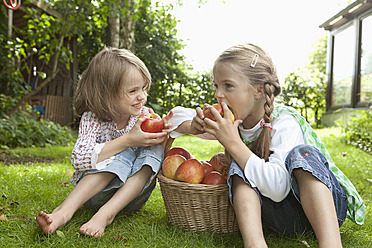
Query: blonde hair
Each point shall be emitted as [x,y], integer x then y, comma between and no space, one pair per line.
[100,86]
[257,66]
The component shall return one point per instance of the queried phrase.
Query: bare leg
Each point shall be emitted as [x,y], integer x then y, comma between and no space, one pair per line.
[129,191]
[317,202]
[248,213]
[88,186]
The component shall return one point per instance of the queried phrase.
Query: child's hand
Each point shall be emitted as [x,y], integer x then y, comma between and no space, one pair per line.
[223,128]
[137,137]
[197,123]
[167,124]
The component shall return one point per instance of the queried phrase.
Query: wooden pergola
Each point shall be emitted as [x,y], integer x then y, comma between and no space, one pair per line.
[56,98]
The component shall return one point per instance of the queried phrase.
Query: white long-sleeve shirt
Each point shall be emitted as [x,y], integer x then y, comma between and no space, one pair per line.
[271,178]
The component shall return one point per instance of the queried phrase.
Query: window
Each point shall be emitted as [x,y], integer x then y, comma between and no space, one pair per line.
[343,64]
[366,60]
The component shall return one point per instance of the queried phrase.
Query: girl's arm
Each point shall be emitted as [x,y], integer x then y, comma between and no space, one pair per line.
[270,177]
[84,156]
[188,121]
[88,152]
[135,138]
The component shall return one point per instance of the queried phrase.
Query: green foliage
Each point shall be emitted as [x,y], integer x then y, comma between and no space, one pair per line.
[22,130]
[10,80]
[358,130]
[157,45]
[6,103]
[305,90]
[37,41]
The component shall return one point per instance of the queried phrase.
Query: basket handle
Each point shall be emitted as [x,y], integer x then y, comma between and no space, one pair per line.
[168,144]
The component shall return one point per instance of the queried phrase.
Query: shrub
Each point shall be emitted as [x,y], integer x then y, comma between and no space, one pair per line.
[22,130]
[358,130]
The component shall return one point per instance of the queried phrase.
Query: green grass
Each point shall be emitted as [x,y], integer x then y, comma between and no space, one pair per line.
[28,188]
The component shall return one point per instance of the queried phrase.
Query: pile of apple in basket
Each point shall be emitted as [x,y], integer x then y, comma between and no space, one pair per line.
[179,165]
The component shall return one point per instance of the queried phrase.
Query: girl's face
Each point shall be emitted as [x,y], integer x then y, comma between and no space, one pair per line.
[235,90]
[134,94]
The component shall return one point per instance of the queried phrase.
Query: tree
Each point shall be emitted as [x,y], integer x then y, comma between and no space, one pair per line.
[157,45]
[154,38]
[305,89]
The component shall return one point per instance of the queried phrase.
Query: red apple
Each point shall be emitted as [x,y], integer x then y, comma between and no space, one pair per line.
[208,114]
[171,164]
[152,124]
[219,163]
[190,171]
[214,178]
[180,151]
[207,167]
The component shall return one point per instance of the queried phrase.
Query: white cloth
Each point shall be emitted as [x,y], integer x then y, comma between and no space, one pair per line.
[271,178]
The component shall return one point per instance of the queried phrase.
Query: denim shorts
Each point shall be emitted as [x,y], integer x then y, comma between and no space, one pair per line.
[124,165]
[288,217]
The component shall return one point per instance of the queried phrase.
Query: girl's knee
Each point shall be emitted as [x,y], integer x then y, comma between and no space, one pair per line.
[239,187]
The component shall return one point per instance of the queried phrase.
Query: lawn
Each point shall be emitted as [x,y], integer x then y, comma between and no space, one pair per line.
[30,186]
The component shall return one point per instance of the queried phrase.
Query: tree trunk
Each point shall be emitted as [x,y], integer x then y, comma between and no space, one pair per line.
[114,27]
[127,25]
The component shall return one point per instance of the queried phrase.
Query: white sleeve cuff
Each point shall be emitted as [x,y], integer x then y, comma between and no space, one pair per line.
[253,160]
[101,165]
[180,115]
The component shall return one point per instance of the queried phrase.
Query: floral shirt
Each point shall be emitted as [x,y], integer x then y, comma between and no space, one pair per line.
[93,134]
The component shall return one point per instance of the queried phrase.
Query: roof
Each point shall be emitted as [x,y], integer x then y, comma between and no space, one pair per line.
[348,13]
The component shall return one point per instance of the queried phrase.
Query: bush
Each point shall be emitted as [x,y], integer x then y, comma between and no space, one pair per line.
[358,130]
[22,130]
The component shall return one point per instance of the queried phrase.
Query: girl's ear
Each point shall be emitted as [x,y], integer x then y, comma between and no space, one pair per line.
[260,91]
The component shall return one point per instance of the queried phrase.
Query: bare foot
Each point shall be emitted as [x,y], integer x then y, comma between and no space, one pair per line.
[95,227]
[49,222]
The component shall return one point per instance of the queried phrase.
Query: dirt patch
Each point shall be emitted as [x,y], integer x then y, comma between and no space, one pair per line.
[7,159]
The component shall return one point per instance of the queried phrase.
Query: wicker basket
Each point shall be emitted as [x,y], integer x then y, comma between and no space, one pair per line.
[198,207]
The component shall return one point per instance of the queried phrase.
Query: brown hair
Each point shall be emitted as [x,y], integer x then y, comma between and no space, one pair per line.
[100,85]
[259,72]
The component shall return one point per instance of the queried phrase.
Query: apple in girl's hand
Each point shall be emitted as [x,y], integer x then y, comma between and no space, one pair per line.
[219,163]
[171,164]
[190,171]
[207,168]
[214,178]
[152,124]
[208,114]
[179,150]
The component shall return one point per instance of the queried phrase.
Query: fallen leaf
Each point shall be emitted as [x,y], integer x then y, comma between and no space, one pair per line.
[3,217]
[305,243]
[66,184]
[60,234]
[12,202]
[69,172]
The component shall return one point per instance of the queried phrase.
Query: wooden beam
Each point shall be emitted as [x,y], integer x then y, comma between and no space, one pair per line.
[44,7]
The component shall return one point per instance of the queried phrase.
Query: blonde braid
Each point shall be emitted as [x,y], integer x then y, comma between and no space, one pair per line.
[261,147]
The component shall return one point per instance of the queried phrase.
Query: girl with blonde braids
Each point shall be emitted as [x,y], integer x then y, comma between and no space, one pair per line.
[281,175]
